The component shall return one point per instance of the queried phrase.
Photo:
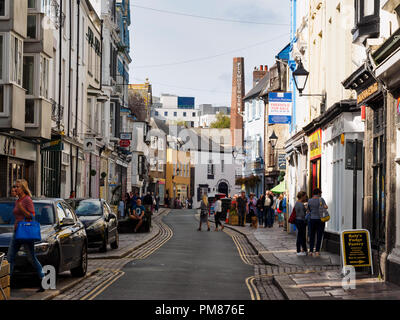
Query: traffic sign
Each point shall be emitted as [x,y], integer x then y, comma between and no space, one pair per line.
[124,143]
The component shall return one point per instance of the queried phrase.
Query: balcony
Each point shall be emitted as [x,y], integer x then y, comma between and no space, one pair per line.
[38,119]
[12,107]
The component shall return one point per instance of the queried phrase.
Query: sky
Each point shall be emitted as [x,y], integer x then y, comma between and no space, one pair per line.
[159,38]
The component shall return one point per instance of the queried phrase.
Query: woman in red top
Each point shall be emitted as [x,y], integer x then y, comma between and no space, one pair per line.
[23,209]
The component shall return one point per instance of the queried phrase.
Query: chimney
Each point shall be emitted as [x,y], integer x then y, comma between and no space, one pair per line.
[258,74]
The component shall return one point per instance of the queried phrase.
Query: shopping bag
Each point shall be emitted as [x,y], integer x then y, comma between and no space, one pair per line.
[28,231]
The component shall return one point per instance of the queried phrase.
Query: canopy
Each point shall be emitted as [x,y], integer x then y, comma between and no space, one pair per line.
[279,188]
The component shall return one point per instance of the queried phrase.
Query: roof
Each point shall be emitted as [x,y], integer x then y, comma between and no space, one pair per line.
[255,92]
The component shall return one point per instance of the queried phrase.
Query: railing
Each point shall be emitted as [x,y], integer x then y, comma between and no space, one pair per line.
[57,111]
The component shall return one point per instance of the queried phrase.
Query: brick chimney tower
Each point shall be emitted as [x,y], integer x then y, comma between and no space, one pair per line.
[258,74]
[237,104]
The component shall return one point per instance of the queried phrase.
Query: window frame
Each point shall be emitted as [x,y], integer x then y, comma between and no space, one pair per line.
[6,10]
[5,57]
[35,122]
[37,27]
[35,82]
[44,77]
[20,62]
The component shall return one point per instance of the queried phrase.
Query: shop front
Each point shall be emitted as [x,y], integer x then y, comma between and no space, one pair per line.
[17,161]
[314,145]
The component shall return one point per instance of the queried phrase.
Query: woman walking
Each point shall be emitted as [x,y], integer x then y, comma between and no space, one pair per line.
[23,210]
[204,213]
[260,210]
[315,204]
[252,209]
[301,223]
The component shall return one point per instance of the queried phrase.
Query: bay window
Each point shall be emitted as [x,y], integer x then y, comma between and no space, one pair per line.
[29,74]
[30,111]
[32,27]
[4,8]
[44,77]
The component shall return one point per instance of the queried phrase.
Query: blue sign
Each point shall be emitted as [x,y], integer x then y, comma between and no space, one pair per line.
[280,107]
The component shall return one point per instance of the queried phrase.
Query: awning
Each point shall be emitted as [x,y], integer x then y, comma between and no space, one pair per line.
[279,188]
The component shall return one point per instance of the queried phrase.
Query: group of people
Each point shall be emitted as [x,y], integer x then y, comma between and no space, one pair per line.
[177,203]
[262,211]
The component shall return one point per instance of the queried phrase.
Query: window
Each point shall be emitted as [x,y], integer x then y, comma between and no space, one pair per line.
[222,166]
[1,55]
[210,170]
[175,114]
[165,113]
[44,77]
[193,114]
[156,113]
[30,111]
[160,144]
[1,98]
[31,4]
[112,127]
[31,27]
[3,8]
[60,212]
[184,114]
[369,8]
[29,72]
[16,60]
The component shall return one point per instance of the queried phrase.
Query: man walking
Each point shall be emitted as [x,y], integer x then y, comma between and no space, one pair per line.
[269,201]
[241,208]
[218,213]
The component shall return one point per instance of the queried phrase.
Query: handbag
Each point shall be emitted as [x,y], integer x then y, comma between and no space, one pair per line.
[28,231]
[325,217]
[292,218]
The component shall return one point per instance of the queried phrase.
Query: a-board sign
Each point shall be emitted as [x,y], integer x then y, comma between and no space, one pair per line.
[356,248]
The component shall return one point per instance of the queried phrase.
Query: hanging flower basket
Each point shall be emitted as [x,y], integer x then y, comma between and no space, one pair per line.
[93,172]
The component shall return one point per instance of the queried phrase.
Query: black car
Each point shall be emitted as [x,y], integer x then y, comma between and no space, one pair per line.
[64,240]
[100,222]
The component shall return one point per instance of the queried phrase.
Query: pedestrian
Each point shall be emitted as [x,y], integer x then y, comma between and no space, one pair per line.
[269,199]
[279,210]
[157,202]
[218,213]
[121,208]
[138,213]
[260,210]
[13,192]
[23,210]
[190,203]
[300,223]
[127,206]
[148,204]
[252,210]
[241,205]
[315,204]
[204,213]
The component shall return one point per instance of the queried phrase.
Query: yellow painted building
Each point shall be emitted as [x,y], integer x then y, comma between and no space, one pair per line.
[178,174]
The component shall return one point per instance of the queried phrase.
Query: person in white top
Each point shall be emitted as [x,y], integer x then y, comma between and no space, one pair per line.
[218,213]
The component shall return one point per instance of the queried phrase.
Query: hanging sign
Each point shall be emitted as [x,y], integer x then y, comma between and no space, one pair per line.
[367,92]
[356,248]
[280,107]
[124,143]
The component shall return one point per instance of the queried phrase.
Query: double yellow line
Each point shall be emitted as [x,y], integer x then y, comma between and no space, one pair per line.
[103,286]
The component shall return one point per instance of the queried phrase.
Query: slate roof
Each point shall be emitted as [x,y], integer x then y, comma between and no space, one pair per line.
[255,92]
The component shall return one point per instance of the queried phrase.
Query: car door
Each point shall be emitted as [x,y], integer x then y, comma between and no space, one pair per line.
[64,238]
[112,224]
[76,235]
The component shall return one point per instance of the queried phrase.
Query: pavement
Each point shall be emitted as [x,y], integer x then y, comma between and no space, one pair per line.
[310,277]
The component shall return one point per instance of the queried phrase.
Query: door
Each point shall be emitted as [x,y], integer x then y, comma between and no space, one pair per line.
[75,235]
[65,240]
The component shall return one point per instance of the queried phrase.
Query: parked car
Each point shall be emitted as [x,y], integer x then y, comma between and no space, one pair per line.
[64,240]
[100,222]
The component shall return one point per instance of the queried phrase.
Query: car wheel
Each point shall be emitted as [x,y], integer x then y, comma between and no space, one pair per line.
[103,247]
[81,270]
[115,244]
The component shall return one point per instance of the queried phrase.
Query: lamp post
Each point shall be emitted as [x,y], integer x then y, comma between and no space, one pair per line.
[300,76]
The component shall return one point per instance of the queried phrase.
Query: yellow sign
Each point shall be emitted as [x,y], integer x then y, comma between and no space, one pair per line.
[315,144]
[367,92]
[356,248]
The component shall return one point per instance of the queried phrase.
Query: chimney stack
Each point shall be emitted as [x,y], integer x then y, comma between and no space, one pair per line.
[258,74]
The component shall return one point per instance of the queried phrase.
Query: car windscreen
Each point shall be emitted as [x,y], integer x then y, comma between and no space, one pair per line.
[88,208]
[44,213]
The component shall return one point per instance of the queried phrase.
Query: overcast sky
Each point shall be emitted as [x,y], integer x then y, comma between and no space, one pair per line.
[160,38]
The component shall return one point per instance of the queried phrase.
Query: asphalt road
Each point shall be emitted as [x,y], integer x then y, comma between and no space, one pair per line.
[191,265]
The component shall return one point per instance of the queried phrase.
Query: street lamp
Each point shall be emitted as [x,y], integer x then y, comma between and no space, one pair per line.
[300,76]
[273,139]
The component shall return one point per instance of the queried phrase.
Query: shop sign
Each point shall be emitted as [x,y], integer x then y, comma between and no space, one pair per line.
[280,107]
[282,161]
[125,135]
[356,248]
[368,92]
[315,144]
[124,143]
[55,145]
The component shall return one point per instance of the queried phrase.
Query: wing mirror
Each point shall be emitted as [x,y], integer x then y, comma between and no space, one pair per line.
[67,222]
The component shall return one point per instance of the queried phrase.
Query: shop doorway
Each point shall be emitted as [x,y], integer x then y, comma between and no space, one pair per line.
[315,175]
[223,188]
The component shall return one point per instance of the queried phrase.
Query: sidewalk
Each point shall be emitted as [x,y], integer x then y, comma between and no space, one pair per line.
[313,278]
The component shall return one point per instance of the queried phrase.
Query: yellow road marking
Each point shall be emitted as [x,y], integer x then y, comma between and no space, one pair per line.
[101,285]
[108,284]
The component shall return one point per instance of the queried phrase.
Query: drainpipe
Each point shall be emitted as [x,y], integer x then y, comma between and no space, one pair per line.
[69,94]
[101,55]
[77,93]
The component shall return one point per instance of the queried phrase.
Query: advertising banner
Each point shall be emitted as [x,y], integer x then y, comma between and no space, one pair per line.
[280,107]
[315,144]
